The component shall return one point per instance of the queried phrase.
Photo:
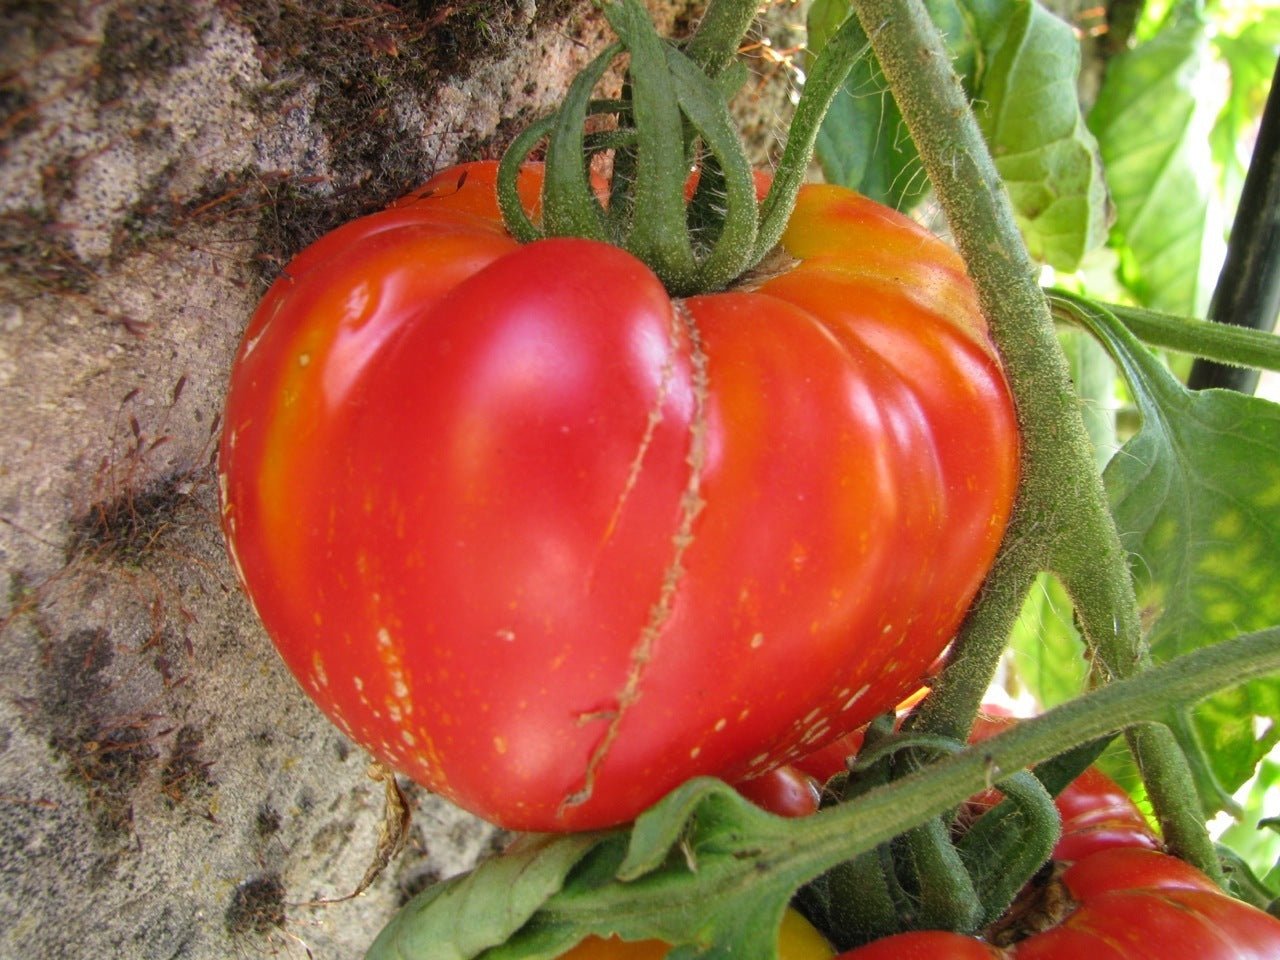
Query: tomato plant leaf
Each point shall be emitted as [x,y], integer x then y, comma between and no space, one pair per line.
[1045,154]
[1196,496]
[1019,63]
[1249,836]
[1153,128]
[708,804]
[714,859]
[863,142]
[703,861]
[458,918]
[1046,648]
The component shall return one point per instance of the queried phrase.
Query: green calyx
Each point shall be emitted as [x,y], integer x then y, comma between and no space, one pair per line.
[945,873]
[681,194]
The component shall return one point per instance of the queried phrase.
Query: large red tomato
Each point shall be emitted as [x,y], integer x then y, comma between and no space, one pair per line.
[1128,904]
[551,543]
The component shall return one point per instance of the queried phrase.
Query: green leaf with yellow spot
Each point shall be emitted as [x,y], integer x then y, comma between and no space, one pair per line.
[1196,497]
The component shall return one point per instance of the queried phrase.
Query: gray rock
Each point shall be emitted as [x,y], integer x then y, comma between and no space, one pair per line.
[166,791]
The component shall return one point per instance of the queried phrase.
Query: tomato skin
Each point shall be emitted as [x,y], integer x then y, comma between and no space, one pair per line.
[449,461]
[825,763]
[1130,904]
[786,791]
[1098,814]
[1137,904]
[797,940]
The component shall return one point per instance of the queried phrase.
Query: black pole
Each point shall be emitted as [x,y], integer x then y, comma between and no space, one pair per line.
[1248,291]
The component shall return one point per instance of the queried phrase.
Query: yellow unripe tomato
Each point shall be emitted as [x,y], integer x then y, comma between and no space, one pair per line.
[797,940]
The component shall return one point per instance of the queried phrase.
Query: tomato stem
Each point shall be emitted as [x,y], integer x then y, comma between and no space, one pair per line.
[719,34]
[1220,342]
[945,895]
[641,905]
[1061,521]
[820,88]
[1009,844]
[673,118]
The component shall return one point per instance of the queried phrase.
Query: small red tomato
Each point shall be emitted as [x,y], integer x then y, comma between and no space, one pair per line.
[785,790]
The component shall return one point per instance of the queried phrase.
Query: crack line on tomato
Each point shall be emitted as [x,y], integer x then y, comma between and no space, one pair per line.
[655,418]
[691,504]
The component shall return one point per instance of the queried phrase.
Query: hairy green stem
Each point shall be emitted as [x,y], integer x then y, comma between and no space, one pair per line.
[1061,521]
[1009,844]
[821,86]
[719,34]
[958,693]
[813,845]
[1224,343]
[703,852]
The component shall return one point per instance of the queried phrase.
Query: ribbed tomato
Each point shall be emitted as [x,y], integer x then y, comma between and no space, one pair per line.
[551,543]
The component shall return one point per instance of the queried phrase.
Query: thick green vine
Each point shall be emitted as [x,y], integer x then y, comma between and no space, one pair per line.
[1061,522]
[705,867]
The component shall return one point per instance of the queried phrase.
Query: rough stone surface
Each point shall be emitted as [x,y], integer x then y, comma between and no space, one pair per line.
[166,791]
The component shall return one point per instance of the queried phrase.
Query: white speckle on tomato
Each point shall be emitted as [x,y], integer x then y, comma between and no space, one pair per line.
[319,677]
[500,744]
[720,724]
[746,712]
[359,683]
[408,738]
[250,344]
[855,698]
[304,359]
[888,628]
[508,636]
[693,754]
[757,641]
[384,637]
[235,559]
[816,732]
